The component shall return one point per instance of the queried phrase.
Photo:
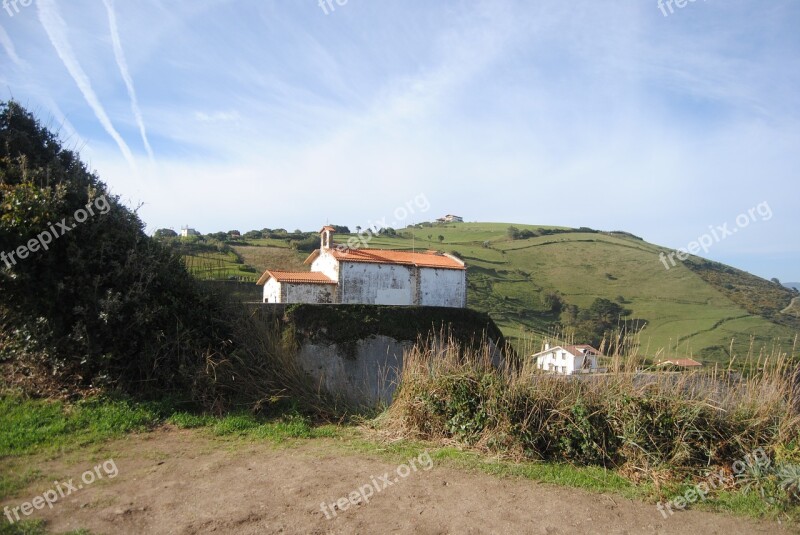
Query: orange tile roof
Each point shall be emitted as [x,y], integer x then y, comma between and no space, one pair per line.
[383,256]
[307,277]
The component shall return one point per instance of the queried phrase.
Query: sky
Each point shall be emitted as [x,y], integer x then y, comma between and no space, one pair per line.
[678,124]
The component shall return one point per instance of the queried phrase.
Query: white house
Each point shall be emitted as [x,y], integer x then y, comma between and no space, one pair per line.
[450,218]
[340,274]
[568,360]
[187,231]
[298,287]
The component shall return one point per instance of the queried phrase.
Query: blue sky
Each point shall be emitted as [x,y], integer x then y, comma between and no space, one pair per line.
[256,113]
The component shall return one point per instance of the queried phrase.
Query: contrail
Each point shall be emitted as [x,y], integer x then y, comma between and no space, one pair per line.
[64,123]
[119,54]
[55,27]
[9,47]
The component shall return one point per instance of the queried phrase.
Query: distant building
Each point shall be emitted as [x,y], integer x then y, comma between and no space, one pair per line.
[340,274]
[568,360]
[186,232]
[680,363]
[450,218]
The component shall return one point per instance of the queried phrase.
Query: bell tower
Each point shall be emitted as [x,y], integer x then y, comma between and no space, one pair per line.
[325,237]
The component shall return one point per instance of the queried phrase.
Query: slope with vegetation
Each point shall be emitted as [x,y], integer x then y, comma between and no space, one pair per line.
[536,281]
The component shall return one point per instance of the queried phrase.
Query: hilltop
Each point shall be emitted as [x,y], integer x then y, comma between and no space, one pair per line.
[698,308]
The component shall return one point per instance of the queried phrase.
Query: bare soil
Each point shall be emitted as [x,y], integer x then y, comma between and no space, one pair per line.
[186,482]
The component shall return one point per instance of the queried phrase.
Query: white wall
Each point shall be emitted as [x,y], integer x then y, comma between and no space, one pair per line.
[443,287]
[288,292]
[272,291]
[327,264]
[389,284]
[308,293]
[375,284]
[562,362]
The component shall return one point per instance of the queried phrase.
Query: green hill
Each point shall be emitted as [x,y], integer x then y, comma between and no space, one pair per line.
[697,308]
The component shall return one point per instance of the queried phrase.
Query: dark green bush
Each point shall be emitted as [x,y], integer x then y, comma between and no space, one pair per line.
[104,304]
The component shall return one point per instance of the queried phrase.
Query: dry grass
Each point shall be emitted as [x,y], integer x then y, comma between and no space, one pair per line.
[260,371]
[263,258]
[649,424]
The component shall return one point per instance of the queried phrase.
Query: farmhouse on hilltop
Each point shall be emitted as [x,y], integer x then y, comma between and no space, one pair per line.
[568,360]
[340,274]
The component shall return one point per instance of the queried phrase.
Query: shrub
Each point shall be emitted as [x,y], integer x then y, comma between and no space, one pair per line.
[645,422]
[108,307]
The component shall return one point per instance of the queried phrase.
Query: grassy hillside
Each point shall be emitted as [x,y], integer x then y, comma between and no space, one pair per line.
[700,308]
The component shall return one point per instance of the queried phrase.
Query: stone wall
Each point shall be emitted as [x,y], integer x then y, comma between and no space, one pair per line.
[355,352]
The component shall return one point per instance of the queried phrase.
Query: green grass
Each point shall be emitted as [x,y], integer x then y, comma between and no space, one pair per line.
[33,426]
[25,527]
[245,425]
[29,426]
[288,426]
[32,527]
[583,477]
[11,484]
[219,266]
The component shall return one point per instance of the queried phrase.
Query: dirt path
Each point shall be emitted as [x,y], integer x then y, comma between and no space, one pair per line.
[181,482]
[793,304]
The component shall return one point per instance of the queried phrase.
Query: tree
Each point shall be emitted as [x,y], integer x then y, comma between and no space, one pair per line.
[592,324]
[253,235]
[441,238]
[104,304]
[553,302]
[307,244]
[569,315]
[165,233]
[513,233]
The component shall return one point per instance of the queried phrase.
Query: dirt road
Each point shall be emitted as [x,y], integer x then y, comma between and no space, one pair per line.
[183,482]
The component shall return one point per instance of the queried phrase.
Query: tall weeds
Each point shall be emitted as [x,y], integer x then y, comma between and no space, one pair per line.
[258,369]
[641,421]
